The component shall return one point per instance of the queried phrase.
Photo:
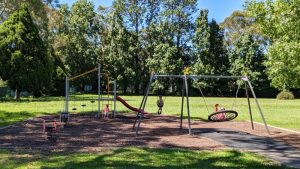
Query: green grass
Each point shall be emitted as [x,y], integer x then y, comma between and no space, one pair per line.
[136,158]
[280,113]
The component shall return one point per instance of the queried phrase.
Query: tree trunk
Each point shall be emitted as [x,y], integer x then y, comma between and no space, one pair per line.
[137,87]
[124,87]
[38,93]
[17,94]
[137,63]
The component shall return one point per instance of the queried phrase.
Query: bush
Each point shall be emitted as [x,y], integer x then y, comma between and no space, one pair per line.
[285,95]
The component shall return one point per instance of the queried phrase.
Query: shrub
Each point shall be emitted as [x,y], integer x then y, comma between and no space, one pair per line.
[285,95]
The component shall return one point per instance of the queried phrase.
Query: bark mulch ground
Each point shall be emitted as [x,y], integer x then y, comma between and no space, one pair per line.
[86,133]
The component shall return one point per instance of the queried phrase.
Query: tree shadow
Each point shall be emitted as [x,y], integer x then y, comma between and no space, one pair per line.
[166,158]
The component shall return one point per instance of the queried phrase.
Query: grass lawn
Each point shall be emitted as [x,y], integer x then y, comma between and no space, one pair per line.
[280,113]
[136,158]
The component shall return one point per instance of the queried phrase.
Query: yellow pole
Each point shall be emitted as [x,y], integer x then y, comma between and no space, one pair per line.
[82,74]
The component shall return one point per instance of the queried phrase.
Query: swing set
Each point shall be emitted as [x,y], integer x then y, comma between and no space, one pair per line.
[65,115]
[217,115]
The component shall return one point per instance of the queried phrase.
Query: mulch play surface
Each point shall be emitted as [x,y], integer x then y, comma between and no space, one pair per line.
[86,133]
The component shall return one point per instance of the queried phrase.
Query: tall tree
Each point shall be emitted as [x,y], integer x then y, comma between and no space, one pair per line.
[210,55]
[134,13]
[279,21]
[116,56]
[201,46]
[24,60]
[178,19]
[151,34]
[78,36]
[237,24]
[247,58]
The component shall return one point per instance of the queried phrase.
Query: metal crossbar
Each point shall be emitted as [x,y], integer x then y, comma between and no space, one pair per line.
[200,76]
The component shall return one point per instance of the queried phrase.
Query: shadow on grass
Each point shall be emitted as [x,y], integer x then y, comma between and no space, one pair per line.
[154,158]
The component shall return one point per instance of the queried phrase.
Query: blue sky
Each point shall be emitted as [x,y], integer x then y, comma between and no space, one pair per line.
[218,9]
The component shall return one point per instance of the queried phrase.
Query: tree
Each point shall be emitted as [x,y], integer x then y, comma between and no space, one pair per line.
[134,14]
[278,21]
[177,17]
[116,55]
[76,38]
[210,55]
[201,43]
[237,24]
[24,61]
[247,58]
[284,64]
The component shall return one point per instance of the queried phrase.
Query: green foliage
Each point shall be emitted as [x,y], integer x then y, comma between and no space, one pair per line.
[177,26]
[117,57]
[279,22]
[2,83]
[210,55]
[276,19]
[246,59]
[76,38]
[24,60]
[285,95]
[284,64]
[237,24]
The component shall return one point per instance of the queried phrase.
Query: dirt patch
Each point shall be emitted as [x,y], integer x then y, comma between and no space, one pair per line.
[86,133]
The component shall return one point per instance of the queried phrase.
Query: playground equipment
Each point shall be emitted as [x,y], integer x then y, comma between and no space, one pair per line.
[228,114]
[160,103]
[65,116]
[221,115]
[50,127]
[130,107]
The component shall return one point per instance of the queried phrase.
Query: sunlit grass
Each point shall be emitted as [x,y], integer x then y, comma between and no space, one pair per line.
[136,158]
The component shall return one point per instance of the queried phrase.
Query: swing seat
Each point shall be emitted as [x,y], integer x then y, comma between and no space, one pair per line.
[83,105]
[74,109]
[222,115]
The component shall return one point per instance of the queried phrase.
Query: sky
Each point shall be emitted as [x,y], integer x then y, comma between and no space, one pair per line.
[218,9]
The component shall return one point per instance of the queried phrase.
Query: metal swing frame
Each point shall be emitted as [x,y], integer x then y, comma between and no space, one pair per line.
[67,92]
[185,94]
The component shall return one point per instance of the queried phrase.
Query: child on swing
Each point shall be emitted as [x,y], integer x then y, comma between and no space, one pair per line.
[105,112]
[221,116]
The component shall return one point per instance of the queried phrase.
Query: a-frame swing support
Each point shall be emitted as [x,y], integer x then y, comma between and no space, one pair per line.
[140,114]
[245,79]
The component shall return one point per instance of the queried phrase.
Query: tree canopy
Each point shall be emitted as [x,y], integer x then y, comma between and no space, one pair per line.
[24,60]
[133,38]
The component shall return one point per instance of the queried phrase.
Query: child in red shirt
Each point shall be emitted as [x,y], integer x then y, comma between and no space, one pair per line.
[105,112]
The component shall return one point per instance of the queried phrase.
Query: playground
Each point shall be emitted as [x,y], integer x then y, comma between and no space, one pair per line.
[82,126]
[150,84]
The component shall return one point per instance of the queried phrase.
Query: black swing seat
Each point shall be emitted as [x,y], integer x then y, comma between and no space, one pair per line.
[222,115]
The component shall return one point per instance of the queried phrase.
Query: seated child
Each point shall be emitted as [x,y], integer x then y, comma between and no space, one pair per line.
[105,112]
[221,116]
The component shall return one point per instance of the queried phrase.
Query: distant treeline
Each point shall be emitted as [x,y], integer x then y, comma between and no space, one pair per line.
[133,38]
